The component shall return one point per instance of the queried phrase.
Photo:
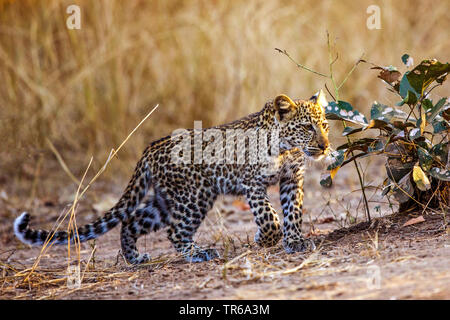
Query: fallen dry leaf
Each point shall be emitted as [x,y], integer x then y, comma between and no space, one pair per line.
[318,232]
[413,221]
[326,220]
[241,205]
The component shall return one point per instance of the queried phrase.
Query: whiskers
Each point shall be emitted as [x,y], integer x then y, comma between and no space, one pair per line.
[315,153]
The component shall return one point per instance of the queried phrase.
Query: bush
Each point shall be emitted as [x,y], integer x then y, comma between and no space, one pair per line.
[414,142]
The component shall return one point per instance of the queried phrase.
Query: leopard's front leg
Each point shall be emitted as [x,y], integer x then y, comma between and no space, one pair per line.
[291,196]
[269,227]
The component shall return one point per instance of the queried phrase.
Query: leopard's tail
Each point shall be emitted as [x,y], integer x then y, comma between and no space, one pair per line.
[131,198]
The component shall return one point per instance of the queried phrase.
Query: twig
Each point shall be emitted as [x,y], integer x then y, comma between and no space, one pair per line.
[330,63]
[300,65]
[336,90]
[329,92]
[351,71]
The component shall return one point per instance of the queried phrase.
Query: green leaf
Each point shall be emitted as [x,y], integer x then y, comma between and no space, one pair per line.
[439,126]
[441,174]
[435,110]
[407,92]
[337,158]
[422,76]
[350,130]
[427,104]
[424,143]
[425,159]
[414,134]
[442,78]
[387,114]
[344,111]
[325,180]
[440,151]
[407,60]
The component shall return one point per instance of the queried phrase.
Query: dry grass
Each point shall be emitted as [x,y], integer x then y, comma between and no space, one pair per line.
[412,261]
[201,60]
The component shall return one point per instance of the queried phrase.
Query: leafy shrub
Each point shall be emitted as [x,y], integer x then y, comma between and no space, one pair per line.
[414,142]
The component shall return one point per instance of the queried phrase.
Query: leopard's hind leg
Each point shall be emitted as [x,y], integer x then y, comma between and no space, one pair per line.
[185,218]
[151,217]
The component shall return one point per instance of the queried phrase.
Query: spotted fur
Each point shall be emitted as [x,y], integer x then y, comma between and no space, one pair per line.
[177,196]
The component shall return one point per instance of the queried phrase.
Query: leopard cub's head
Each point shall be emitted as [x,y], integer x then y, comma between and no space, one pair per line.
[303,124]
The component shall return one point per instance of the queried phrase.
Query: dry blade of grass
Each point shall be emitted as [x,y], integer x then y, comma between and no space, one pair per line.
[87,263]
[78,197]
[114,152]
[72,226]
[62,163]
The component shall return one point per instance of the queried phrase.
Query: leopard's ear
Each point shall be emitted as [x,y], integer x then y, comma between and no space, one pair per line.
[284,107]
[320,99]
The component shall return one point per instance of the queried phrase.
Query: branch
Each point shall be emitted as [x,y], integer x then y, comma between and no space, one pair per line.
[300,65]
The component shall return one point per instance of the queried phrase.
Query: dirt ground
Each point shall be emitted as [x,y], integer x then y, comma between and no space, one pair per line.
[353,259]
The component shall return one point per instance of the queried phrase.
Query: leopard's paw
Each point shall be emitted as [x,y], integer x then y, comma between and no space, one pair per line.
[298,245]
[201,255]
[267,239]
[140,259]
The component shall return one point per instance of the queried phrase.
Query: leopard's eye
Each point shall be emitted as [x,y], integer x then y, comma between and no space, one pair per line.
[309,127]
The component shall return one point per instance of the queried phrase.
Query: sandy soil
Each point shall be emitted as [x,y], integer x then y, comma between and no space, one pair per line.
[354,259]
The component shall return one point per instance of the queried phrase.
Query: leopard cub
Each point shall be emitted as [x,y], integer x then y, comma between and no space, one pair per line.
[173,192]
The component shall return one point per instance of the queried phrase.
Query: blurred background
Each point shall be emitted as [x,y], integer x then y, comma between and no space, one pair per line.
[85,90]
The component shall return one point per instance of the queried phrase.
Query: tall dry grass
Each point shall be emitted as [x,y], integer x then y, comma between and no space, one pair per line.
[84,90]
